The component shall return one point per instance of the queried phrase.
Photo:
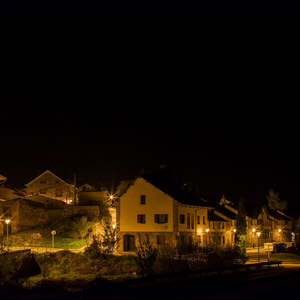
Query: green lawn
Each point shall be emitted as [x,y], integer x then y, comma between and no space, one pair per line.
[62,241]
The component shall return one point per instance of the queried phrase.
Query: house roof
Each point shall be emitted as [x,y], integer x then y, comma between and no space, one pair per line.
[2,178]
[226,212]
[278,216]
[47,171]
[216,218]
[162,181]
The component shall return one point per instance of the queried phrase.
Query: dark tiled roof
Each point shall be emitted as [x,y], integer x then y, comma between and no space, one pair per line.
[226,212]
[214,217]
[162,181]
[277,215]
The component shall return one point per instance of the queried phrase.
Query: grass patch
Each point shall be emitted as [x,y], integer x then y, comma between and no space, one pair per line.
[39,238]
[284,256]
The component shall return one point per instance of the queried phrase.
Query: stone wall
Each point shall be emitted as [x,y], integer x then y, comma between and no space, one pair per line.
[49,184]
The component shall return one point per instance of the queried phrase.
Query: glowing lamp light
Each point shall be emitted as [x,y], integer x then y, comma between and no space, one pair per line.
[207,230]
[7,221]
[258,234]
[279,230]
[253,230]
[114,226]
[234,230]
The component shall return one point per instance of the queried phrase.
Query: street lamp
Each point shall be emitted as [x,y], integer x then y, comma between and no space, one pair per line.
[207,230]
[7,222]
[279,230]
[253,230]
[234,231]
[258,235]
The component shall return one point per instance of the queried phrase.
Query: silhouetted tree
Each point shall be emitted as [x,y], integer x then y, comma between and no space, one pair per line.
[274,201]
[241,228]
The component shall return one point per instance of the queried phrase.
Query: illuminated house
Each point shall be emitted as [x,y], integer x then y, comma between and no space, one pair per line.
[49,185]
[273,225]
[156,207]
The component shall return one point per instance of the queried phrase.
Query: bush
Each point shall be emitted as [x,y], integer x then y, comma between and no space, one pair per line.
[146,257]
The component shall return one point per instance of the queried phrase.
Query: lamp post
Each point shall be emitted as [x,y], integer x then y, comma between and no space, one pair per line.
[258,235]
[207,230]
[253,230]
[7,222]
[279,230]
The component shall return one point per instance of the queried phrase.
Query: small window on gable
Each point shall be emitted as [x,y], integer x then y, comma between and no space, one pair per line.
[143,199]
[43,180]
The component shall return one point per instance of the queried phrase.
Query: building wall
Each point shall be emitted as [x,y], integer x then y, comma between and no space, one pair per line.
[49,185]
[156,202]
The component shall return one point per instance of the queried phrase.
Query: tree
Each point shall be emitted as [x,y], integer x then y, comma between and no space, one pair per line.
[241,228]
[274,201]
[80,227]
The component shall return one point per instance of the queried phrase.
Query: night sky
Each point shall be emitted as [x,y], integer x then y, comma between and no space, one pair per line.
[103,92]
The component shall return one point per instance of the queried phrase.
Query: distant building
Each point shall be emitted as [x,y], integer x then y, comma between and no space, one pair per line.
[49,185]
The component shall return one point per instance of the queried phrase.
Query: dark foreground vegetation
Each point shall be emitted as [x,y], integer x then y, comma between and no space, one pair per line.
[67,272]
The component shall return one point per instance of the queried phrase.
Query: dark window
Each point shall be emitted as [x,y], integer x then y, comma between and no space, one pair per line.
[203,220]
[188,221]
[160,218]
[43,180]
[58,193]
[161,240]
[129,243]
[181,219]
[193,221]
[143,199]
[198,219]
[43,191]
[141,219]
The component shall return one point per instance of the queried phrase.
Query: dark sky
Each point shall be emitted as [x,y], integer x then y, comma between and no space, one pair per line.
[209,92]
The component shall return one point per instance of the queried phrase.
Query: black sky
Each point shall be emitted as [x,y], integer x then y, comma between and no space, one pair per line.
[210,93]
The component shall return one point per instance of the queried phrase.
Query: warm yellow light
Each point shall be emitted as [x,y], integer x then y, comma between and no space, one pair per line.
[279,230]
[253,230]
[114,226]
[7,221]
[234,230]
[207,230]
[258,234]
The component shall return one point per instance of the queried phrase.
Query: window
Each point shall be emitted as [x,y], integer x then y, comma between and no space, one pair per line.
[43,191]
[161,240]
[58,193]
[203,220]
[193,221]
[198,219]
[181,219]
[188,222]
[199,239]
[143,199]
[43,180]
[160,218]
[141,219]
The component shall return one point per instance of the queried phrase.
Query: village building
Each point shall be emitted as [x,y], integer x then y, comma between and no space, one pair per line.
[50,185]
[157,208]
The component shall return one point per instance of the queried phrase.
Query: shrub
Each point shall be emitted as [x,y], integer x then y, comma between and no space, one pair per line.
[146,257]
